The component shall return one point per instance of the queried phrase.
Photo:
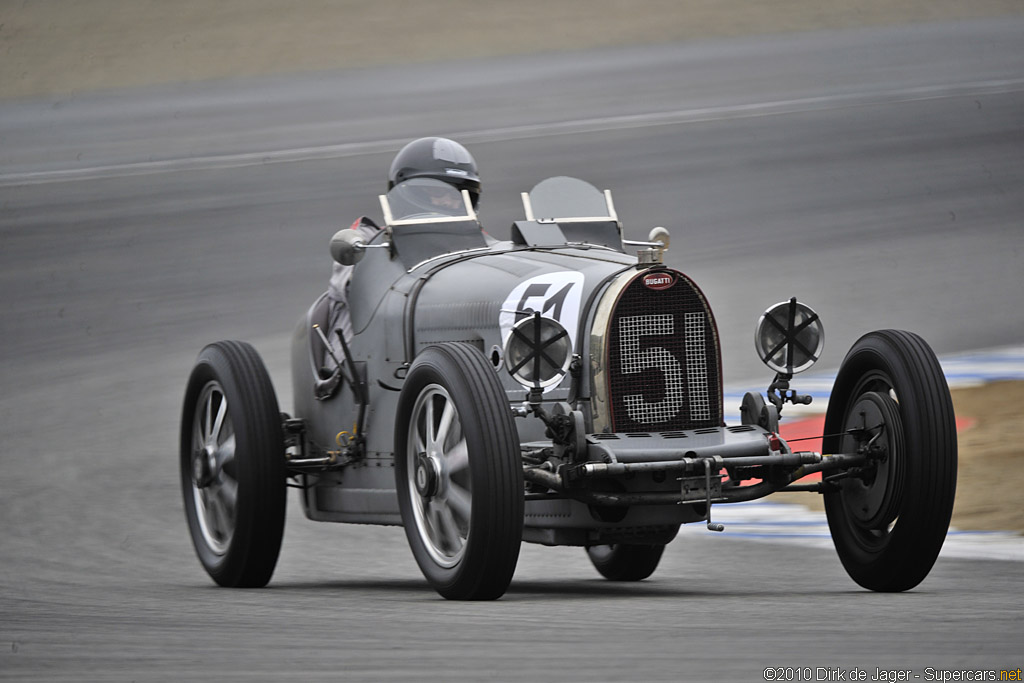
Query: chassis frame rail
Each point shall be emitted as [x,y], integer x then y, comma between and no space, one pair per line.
[566,482]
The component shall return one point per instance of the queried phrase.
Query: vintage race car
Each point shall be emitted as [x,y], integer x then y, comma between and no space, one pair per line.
[553,389]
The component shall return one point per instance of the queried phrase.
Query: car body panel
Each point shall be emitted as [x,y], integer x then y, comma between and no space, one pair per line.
[475,295]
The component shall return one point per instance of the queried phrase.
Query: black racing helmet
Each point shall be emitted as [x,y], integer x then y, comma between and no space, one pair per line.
[438,158]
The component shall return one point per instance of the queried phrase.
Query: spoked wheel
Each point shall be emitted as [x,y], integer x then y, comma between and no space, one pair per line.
[232,465]
[458,473]
[624,561]
[889,518]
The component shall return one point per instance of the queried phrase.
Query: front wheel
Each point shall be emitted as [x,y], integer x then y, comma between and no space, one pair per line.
[625,561]
[889,518]
[232,465]
[458,473]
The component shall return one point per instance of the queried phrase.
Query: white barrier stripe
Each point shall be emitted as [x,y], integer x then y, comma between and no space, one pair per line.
[791,524]
[768,521]
[961,370]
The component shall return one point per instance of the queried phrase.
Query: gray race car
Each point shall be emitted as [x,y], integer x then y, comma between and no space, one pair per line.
[563,388]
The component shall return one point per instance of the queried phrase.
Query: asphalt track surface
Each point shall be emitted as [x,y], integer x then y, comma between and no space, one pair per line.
[876,174]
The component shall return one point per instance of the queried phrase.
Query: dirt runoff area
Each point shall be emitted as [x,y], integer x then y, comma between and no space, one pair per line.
[990,475]
[59,47]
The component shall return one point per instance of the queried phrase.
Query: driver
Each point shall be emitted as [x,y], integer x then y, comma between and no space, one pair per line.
[433,157]
[438,158]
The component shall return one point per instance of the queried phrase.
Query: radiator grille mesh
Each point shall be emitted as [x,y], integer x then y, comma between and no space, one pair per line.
[663,366]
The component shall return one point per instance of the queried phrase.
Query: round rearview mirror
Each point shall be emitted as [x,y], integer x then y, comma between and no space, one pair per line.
[660,234]
[347,247]
[538,352]
[789,337]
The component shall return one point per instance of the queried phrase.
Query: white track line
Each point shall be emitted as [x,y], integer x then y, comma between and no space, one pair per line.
[587,125]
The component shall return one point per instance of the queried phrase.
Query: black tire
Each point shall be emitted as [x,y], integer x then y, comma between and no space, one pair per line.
[460,491]
[232,465]
[624,561]
[889,525]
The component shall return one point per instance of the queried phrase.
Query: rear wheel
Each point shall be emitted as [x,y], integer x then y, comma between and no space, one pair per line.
[624,561]
[889,519]
[232,465]
[458,473]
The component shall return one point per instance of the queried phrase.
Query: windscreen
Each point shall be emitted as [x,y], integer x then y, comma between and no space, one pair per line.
[563,197]
[423,198]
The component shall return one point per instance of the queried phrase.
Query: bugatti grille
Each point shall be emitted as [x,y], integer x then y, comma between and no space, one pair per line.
[663,359]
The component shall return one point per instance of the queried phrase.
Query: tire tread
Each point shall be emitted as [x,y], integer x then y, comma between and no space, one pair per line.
[259,527]
[486,574]
[929,429]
